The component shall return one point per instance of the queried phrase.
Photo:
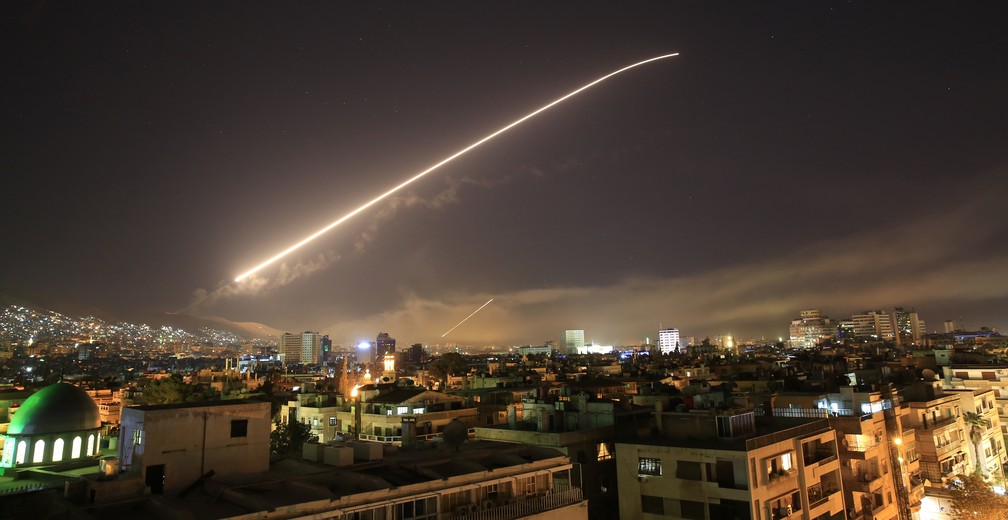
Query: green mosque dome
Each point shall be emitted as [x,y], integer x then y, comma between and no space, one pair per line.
[57,408]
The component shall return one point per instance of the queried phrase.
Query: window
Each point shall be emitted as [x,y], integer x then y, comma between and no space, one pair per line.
[21,449]
[332,421]
[692,509]
[418,411]
[90,445]
[75,448]
[603,452]
[402,410]
[688,470]
[649,467]
[57,450]
[38,454]
[424,508]
[652,505]
[239,428]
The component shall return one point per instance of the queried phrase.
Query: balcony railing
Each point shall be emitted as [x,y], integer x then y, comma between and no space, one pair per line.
[932,424]
[819,496]
[520,507]
[820,456]
[397,439]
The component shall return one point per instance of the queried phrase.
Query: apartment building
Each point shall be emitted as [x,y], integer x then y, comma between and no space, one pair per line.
[987,450]
[936,419]
[708,464]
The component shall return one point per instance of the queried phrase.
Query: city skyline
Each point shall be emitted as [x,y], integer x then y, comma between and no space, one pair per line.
[844,157]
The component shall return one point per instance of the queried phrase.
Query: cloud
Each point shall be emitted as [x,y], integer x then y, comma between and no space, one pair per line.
[923,263]
[259,284]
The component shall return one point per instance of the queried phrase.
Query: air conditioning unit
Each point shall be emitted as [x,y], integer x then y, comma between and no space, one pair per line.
[473,508]
[462,510]
[488,504]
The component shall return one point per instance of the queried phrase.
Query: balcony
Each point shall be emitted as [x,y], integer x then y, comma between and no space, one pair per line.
[934,425]
[820,456]
[782,477]
[819,494]
[520,507]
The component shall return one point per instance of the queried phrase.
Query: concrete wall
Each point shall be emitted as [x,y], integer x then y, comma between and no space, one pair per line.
[190,441]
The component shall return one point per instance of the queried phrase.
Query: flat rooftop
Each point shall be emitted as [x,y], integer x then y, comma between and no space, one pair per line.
[290,482]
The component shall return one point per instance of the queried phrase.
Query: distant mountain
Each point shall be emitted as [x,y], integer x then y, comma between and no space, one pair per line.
[246,329]
[72,309]
[49,302]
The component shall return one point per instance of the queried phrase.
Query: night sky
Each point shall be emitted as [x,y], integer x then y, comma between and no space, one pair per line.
[845,156]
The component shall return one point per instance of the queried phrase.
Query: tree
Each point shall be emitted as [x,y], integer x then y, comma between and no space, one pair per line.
[172,390]
[974,499]
[288,438]
[446,365]
[977,426]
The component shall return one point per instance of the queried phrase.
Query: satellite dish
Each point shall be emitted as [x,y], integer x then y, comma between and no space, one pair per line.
[929,375]
[455,433]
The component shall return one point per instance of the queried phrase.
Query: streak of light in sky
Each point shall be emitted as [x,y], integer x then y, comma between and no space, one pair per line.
[450,158]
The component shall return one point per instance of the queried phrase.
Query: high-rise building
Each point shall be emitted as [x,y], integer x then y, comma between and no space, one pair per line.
[290,348]
[952,326]
[909,328]
[310,347]
[873,324]
[300,348]
[810,329]
[413,356]
[573,340]
[326,347]
[668,340]
[384,344]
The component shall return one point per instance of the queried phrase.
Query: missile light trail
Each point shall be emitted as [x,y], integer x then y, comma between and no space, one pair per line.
[467,317]
[443,162]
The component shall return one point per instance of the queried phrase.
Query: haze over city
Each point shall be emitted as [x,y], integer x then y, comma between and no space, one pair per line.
[842,156]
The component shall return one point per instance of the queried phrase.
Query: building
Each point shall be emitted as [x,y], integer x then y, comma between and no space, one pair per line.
[326,354]
[384,344]
[936,419]
[56,425]
[909,328]
[983,377]
[986,448]
[290,348]
[172,446]
[710,464]
[579,426]
[413,357]
[668,340]
[377,413]
[878,458]
[810,329]
[573,341]
[474,480]
[530,350]
[302,348]
[873,325]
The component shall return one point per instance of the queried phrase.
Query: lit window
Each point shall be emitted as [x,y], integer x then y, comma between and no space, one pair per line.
[57,450]
[417,411]
[603,452]
[649,466]
[38,454]
[21,449]
[90,445]
[402,410]
[332,421]
[75,448]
